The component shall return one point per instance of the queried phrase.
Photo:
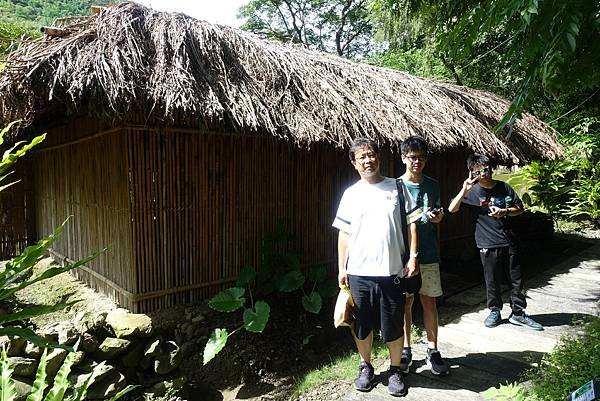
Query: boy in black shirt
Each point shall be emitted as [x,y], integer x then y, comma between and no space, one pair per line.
[493,203]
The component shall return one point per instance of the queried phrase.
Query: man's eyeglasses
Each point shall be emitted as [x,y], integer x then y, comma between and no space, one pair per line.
[413,159]
[482,171]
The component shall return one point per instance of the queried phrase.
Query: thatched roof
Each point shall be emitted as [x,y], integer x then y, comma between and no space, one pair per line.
[130,59]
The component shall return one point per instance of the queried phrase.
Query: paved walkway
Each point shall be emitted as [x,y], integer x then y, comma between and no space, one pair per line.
[480,357]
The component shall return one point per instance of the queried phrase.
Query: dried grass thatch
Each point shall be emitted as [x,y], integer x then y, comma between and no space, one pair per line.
[129,59]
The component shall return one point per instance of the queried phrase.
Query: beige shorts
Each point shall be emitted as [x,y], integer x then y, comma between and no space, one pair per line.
[432,283]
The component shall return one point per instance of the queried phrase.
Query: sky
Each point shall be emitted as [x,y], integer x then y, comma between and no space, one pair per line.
[216,11]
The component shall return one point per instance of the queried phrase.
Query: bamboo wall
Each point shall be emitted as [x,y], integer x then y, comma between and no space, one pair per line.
[17,223]
[87,180]
[203,203]
[181,210]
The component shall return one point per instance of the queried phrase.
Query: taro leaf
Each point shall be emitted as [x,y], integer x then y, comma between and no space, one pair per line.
[317,274]
[215,344]
[256,319]
[312,302]
[328,288]
[246,276]
[228,300]
[291,281]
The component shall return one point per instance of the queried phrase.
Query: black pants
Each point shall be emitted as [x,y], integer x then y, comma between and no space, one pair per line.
[499,263]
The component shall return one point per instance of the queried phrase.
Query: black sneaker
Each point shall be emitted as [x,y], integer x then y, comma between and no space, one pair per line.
[436,363]
[396,385]
[406,360]
[525,321]
[493,318]
[366,374]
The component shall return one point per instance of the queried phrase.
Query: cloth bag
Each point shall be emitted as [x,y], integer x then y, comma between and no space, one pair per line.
[342,315]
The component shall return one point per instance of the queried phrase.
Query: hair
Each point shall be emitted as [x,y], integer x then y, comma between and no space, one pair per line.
[414,143]
[360,143]
[478,160]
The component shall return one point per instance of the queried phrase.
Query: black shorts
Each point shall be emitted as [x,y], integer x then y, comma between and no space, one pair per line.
[411,285]
[379,305]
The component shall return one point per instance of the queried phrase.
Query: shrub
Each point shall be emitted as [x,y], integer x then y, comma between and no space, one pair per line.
[573,362]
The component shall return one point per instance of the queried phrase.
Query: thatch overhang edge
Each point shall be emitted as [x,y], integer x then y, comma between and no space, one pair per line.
[130,60]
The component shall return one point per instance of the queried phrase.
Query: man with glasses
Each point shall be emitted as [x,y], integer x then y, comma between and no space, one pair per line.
[493,203]
[425,192]
[371,251]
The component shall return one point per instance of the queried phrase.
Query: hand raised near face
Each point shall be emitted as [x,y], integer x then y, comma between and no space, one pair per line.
[470,182]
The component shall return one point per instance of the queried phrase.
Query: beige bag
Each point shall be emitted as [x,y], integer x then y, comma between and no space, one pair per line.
[342,315]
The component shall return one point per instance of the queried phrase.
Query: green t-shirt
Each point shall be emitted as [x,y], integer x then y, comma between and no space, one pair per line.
[426,196]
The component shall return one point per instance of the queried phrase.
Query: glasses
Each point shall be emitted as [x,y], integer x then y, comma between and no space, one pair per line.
[482,171]
[413,159]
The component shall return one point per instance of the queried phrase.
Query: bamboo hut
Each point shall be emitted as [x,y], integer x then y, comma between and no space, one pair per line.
[178,144]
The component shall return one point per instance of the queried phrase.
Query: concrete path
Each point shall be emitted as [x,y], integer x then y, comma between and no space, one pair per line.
[480,357]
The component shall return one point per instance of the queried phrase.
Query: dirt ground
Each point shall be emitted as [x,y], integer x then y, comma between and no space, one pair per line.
[256,366]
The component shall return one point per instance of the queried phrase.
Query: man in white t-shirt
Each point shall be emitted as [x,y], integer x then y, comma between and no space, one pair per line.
[371,250]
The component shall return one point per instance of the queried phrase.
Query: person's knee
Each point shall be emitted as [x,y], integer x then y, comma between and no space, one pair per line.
[410,299]
[428,303]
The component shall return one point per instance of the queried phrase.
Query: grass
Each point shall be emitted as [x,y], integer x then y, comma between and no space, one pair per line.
[344,368]
[574,361]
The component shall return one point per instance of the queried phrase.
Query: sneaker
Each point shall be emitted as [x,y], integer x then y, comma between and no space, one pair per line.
[406,360]
[436,363]
[525,321]
[366,374]
[396,385]
[493,318]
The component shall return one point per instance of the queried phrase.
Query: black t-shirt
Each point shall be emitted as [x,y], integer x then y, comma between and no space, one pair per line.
[491,232]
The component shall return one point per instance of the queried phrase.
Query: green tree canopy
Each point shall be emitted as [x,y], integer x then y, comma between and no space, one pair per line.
[341,27]
[551,45]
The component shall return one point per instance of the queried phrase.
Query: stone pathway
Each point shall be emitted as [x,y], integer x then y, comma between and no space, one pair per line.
[480,357]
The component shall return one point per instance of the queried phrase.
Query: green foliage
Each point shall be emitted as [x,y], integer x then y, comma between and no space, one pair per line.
[312,302]
[574,361]
[60,387]
[280,271]
[417,61]
[568,187]
[255,320]
[215,344]
[12,33]
[508,392]
[529,49]
[228,300]
[44,12]
[328,25]
[40,383]
[291,281]
[246,276]
[21,20]
[7,386]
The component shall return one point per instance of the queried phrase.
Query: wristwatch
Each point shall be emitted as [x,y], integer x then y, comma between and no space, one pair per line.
[414,255]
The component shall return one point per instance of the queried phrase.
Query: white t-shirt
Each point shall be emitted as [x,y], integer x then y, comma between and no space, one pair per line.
[370,213]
